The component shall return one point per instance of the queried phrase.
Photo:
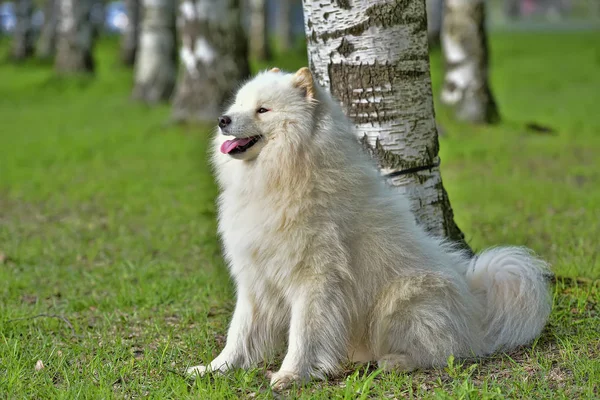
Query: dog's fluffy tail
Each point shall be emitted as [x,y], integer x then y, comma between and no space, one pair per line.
[512,284]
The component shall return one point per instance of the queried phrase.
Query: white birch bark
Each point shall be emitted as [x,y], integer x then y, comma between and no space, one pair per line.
[213,58]
[155,67]
[258,38]
[75,37]
[464,47]
[22,45]
[129,39]
[46,46]
[373,57]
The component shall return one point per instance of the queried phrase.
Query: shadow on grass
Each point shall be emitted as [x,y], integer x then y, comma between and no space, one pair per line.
[62,83]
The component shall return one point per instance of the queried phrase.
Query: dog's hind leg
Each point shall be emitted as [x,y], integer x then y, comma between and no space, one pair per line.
[422,318]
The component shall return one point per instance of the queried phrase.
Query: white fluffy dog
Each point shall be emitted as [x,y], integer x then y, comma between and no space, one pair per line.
[327,260]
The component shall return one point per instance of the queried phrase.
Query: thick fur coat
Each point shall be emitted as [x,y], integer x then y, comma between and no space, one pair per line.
[329,262]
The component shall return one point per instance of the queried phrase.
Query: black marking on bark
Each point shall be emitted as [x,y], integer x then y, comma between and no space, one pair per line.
[345,4]
[345,48]
[413,170]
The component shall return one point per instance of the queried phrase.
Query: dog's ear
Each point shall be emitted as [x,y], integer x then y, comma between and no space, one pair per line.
[303,79]
[275,70]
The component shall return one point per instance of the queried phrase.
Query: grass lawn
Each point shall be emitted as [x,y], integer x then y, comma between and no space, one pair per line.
[110,269]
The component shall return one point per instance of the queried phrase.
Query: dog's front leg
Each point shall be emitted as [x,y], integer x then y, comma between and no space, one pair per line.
[318,334]
[234,354]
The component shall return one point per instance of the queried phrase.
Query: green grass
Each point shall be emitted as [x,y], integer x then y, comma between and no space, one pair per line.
[107,219]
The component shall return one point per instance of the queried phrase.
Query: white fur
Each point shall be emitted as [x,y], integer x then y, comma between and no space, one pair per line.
[327,260]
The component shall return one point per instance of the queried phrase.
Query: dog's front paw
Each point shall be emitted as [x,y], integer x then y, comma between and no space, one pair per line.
[216,366]
[281,380]
[197,371]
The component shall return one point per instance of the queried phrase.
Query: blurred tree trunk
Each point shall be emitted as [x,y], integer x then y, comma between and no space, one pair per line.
[259,38]
[373,57]
[22,46]
[129,39]
[435,10]
[155,63]
[512,9]
[213,58]
[464,46]
[46,46]
[284,25]
[75,37]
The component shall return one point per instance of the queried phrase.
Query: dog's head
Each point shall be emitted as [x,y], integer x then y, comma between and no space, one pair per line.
[263,111]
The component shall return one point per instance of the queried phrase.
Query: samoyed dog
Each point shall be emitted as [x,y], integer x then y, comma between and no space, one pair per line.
[330,265]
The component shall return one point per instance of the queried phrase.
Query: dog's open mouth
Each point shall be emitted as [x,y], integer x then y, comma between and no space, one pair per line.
[236,146]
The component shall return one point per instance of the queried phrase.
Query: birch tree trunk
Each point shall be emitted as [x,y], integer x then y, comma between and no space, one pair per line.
[284,25]
[75,37]
[22,46]
[46,46]
[155,63]
[213,57]
[129,39]
[373,57]
[464,46]
[259,40]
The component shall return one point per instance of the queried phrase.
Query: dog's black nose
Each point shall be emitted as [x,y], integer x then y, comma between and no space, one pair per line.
[224,120]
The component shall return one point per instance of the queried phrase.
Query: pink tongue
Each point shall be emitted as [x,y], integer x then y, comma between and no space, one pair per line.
[229,145]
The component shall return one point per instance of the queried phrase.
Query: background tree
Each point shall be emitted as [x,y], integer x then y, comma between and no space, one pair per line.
[284,25]
[435,11]
[22,45]
[76,36]
[373,57]
[512,8]
[258,35]
[213,58]
[155,62]
[464,45]
[129,39]
[46,46]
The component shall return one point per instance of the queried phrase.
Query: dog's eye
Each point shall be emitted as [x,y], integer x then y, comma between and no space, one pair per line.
[262,110]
